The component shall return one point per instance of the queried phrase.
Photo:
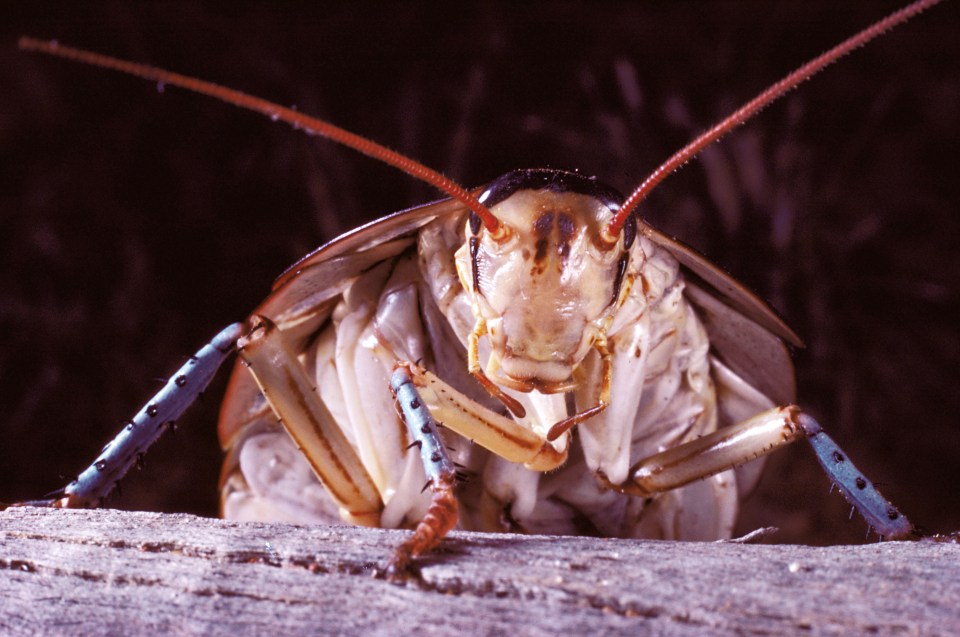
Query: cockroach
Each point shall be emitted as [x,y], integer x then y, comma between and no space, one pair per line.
[536,321]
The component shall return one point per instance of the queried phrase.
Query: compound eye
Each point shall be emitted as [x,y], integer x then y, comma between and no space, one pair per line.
[618,281]
[475,223]
[629,231]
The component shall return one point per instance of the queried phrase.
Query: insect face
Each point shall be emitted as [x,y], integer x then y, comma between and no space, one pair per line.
[548,291]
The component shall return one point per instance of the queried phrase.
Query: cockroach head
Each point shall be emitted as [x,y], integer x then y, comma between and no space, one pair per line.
[547,288]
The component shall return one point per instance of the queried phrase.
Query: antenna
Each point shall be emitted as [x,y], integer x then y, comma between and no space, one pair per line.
[275,112]
[754,106]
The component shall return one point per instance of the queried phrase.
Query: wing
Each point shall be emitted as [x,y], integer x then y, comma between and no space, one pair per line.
[745,333]
[321,275]
[731,291]
[304,296]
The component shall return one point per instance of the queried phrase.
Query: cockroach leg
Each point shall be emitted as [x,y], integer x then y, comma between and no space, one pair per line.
[291,395]
[735,445]
[97,481]
[441,473]
[880,514]
[503,436]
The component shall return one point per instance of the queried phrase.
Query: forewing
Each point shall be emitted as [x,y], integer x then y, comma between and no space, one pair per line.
[304,296]
[748,349]
[309,284]
[729,290]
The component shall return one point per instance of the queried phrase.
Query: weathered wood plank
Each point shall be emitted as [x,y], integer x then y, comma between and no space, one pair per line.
[111,572]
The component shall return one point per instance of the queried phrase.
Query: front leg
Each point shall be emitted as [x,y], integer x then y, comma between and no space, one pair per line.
[495,432]
[735,445]
[422,398]
[441,473]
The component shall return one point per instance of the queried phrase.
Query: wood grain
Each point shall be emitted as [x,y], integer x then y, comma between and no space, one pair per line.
[110,572]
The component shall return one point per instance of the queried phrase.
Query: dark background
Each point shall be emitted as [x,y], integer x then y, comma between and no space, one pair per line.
[134,224]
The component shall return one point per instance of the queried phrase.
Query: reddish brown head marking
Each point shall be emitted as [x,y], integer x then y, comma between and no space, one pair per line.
[559,226]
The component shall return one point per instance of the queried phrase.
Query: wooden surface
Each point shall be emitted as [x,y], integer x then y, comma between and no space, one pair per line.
[111,572]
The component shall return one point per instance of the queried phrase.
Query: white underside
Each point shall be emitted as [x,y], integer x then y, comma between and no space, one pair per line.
[665,392]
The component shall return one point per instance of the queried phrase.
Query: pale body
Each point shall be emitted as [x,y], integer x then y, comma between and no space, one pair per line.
[413,305]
